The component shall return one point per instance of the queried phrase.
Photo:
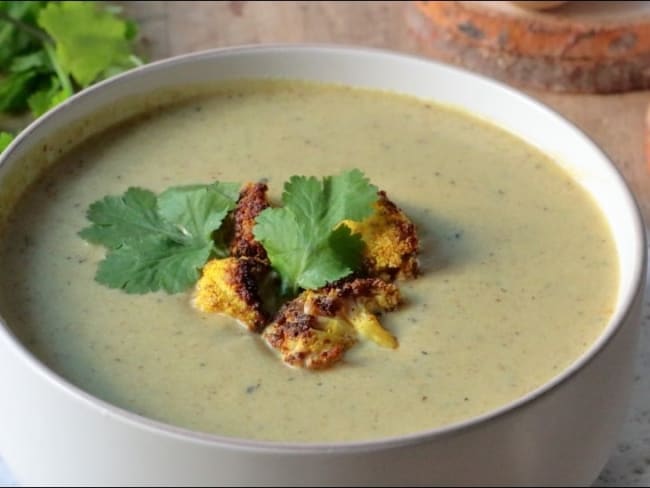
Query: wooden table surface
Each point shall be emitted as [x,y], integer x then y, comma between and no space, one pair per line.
[615,122]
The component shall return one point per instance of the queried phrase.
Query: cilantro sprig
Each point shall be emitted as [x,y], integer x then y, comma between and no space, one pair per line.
[49,50]
[159,242]
[303,239]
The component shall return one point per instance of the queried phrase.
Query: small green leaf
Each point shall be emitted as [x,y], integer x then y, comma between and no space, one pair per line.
[5,140]
[303,239]
[349,196]
[347,247]
[89,40]
[132,29]
[15,90]
[153,264]
[16,41]
[333,260]
[47,98]
[198,209]
[159,243]
[285,244]
[130,217]
[35,60]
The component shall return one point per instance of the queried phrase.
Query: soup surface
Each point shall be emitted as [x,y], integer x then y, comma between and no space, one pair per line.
[519,273]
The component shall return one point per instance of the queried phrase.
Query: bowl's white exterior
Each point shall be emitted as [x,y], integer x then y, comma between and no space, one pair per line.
[53,433]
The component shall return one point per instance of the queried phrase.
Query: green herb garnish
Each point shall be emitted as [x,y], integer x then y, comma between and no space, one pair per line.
[49,50]
[91,42]
[5,140]
[303,239]
[159,242]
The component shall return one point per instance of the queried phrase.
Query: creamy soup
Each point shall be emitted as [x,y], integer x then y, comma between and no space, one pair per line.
[519,272]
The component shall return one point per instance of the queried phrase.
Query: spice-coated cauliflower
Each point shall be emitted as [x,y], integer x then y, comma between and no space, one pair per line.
[317,327]
[230,286]
[391,241]
[252,200]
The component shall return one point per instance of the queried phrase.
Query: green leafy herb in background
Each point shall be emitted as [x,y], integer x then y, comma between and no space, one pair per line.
[159,242]
[49,50]
[303,239]
[5,140]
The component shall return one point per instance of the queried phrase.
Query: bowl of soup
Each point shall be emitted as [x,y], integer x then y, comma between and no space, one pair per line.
[516,340]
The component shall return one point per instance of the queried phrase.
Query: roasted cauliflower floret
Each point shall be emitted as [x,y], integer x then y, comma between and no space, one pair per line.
[315,329]
[230,286]
[252,200]
[391,241]
[306,340]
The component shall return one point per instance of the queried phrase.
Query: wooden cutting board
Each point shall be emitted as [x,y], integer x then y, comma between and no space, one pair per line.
[580,46]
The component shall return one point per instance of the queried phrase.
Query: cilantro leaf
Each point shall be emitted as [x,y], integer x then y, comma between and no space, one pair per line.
[153,264]
[302,239]
[340,197]
[5,140]
[34,60]
[158,243]
[14,39]
[15,89]
[198,209]
[347,246]
[339,257]
[282,238]
[89,40]
[50,49]
[132,216]
[47,97]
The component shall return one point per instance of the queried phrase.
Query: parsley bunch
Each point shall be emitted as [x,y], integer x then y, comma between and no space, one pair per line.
[49,50]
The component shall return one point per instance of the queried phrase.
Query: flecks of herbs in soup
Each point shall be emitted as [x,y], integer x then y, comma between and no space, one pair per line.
[518,275]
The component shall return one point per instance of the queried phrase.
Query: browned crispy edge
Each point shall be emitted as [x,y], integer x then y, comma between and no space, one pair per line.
[334,294]
[244,278]
[292,321]
[252,201]
[409,267]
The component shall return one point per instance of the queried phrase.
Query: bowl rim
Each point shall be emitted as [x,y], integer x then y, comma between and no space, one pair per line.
[302,448]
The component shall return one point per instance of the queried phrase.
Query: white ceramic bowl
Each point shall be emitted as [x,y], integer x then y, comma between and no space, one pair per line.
[53,433]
